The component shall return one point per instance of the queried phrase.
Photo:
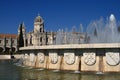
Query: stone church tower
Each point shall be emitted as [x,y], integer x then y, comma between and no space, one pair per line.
[38,25]
[38,36]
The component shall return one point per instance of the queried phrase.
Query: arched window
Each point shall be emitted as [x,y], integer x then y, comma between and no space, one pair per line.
[30,40]
[26,42]
[40,39]
[6,41]
[40,29]
[47,40]
[0,41]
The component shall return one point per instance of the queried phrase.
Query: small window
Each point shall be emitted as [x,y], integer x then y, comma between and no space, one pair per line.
[40,29]
[47,39]
[30,40]
[0,41]
[6,41]
[13,41]
[40,39]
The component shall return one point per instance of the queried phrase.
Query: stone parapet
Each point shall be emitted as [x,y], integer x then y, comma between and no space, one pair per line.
[5,56]
[72,46]
[82,57]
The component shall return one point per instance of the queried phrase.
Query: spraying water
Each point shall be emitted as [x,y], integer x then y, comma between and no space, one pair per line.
[104,32]
[71,37]
[98,31]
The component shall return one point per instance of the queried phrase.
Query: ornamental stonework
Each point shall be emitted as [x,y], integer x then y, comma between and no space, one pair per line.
[69,58]
[89,58]
[112,58]
[53,58]
[41,57]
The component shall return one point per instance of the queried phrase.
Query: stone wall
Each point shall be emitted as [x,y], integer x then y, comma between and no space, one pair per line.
[110,68]
[88,61]
[92,67]
[41,61]
[67,64]
[5,56]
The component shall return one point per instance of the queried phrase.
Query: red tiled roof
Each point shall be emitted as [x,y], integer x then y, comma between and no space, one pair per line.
[8,36]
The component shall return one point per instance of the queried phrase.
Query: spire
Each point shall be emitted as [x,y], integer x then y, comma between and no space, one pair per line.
[38,14]
[23,25]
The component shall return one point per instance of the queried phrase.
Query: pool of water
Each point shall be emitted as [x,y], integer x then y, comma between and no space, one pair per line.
[9,71]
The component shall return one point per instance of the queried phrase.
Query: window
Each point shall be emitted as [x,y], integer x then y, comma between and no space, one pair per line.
[6,41]
[13,41]
[47,39]
[40,29]
[30,40]
[0,41]
[40,39]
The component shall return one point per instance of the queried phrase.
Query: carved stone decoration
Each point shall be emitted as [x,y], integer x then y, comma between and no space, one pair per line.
[112,58]
[53,58]
[32,57]
[89,58]
[26,57]
[21,60]
[22,57]
[41,57]
[69,58]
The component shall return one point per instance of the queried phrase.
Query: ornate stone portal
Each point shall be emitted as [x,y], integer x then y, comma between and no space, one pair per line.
[41,57]
[69,58]
[90,58]
[112,58]
[53,58]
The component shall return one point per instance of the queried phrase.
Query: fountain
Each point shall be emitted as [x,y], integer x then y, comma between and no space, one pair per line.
[96,51]
[104,32]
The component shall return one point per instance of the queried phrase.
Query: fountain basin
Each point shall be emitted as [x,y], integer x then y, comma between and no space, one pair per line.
[73,46]
[103,57]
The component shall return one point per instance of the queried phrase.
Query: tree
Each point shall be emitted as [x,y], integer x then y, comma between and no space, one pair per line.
[20,39]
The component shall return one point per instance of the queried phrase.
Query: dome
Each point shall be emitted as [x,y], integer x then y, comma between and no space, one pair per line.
[38,19]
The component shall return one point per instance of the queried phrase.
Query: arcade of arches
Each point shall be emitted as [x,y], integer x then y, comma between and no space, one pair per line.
[8,42]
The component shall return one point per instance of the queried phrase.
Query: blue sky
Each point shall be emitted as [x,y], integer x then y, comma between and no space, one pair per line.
[57,14]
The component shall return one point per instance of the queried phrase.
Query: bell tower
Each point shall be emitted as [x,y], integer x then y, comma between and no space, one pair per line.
[38,25]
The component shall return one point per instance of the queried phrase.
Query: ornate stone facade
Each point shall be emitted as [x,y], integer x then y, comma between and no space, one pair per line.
[39,36]
[8,42]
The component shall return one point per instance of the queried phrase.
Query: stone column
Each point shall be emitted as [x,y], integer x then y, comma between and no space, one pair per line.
[4,44]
